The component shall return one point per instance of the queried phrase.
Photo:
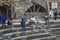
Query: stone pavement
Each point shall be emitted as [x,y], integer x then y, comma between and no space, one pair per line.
[51,20]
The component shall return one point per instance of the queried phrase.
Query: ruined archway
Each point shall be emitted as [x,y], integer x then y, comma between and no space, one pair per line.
[37,10]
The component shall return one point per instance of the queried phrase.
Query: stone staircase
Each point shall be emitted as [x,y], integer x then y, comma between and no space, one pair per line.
[51,32]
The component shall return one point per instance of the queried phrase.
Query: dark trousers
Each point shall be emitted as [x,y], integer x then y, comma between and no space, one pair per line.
[3,24]
[55,14]
[0,21]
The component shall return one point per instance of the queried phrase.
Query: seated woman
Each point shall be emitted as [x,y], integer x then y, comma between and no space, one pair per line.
[10,23]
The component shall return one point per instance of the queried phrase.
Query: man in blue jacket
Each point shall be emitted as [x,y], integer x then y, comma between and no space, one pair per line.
[3,18]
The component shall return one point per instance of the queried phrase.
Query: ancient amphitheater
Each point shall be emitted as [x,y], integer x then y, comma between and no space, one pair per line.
[42,32]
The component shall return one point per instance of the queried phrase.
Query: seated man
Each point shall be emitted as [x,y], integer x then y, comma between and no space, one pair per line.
[47,19]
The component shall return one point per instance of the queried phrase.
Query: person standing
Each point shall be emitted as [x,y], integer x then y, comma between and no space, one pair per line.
[3,18]
[55,13]
[23,26]
[51,14]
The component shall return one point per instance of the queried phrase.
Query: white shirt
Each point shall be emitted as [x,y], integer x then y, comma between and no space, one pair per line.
[32,19]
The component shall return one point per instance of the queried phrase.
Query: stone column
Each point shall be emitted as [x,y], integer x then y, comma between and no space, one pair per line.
[12,8]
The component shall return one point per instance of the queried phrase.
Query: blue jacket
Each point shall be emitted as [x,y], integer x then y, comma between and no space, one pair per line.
[3,18]
[22,22]
[24,18]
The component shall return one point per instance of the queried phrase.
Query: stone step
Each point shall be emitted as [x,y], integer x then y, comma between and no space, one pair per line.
[54,31]
[19,28]
[14,34]
[10,30]
[56,26]
[46,38]
[51,30]
[57,33]
[17,32]
[58,37]
[32,36]
[58,16]
[4,31]
[50,26]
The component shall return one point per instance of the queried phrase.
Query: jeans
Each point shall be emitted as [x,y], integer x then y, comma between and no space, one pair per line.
[23,30]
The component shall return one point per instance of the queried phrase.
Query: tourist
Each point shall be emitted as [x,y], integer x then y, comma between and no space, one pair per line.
[10,23]
[32,23]
[23,27]
[55,13]
[3,18]
[51,14]
[47,20]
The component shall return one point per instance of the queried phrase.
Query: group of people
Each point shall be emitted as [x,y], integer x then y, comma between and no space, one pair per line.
[3,20]
[53,13]
[31,24]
